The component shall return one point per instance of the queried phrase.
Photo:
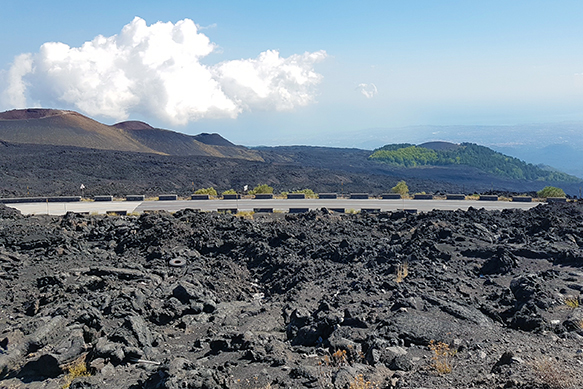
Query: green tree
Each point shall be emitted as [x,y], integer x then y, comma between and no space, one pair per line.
[209,191]
[308,192]
[401,188]
[264,188]
[550,191]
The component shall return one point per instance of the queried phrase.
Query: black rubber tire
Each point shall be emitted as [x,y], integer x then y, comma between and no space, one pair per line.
[177,262]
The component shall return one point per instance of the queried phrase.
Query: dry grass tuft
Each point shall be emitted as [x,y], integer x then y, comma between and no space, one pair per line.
[75,370]
[402,272]
[337,359]
[555,375]
[245,214]
[573,302]
[442,359]
[360,383]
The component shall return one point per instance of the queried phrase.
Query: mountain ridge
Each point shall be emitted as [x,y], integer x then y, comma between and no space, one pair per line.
[55,127]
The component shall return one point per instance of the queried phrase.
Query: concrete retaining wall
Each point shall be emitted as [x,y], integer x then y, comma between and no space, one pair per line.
[455,197]
[391,196]
[102,198]
[168,197]
[135,198]
[200,197]
[556,199]
[327,196]
[231,196]
[116,213]
[423,197]
[64,199]
[296,196]
[228,210]
[264,196]
[359,196]
[488,198]
[263,210]
[522,199]
[299,210]
[15,200]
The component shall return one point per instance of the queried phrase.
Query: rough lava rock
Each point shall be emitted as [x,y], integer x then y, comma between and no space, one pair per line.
[305,300]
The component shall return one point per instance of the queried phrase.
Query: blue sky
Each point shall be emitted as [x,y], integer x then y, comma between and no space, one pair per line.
[369,65]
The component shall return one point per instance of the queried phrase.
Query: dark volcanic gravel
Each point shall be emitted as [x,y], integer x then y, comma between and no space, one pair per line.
[470,299]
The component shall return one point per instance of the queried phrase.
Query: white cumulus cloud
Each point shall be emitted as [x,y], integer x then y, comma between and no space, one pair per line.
[14,93]
[368,90]
[157,70]
[270,81]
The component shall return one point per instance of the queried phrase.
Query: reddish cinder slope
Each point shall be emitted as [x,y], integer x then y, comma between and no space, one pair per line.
[64,128]
[68,128]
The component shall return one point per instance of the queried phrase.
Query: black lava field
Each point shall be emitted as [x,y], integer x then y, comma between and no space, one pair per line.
[464,299]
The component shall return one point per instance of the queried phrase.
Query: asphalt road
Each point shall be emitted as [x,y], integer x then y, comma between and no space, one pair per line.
[247,205]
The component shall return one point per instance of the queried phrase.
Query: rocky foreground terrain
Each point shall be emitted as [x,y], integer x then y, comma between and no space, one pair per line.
[470,299]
